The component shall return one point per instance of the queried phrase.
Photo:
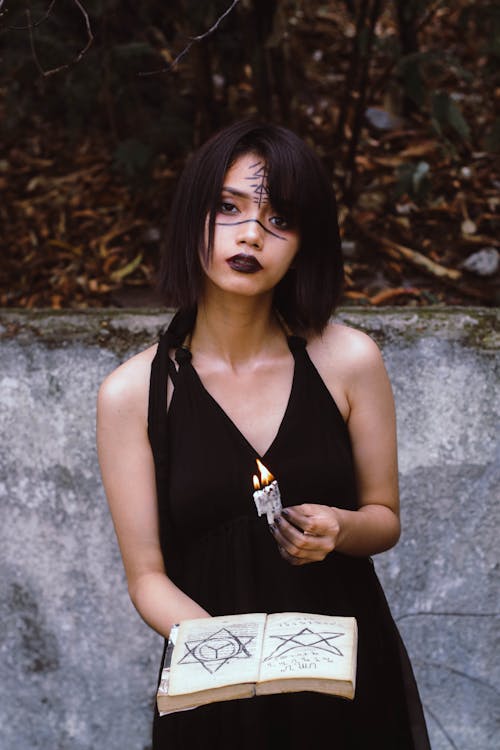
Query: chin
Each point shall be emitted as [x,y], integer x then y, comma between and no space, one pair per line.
[247,286]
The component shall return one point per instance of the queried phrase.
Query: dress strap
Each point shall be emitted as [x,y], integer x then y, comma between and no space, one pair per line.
[172,371]
[157,406]
[182,355]
[180,326]
[296,343]
[163,367]
[158,428]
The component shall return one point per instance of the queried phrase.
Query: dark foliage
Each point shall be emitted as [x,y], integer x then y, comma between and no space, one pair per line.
[398,98]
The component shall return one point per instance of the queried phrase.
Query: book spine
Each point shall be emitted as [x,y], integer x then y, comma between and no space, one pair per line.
[170,646]
[165,672]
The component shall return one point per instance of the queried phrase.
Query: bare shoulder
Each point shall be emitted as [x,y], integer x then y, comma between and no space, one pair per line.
[345,349]
[127,387]
[350,364]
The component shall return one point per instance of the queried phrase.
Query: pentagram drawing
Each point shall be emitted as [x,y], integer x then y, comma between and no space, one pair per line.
[305,639]
[217,649]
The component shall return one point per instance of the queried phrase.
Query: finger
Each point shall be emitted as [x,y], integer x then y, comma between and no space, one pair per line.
[300,552]
[278,536]
[290,558]
[294,535]
[297,547]
[287,549]
[316,556]
[299,518]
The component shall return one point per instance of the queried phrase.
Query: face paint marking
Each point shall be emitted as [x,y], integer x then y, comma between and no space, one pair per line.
[246,221]
[259,182]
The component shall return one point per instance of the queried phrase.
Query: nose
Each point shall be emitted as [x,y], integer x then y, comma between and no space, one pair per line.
[251,233]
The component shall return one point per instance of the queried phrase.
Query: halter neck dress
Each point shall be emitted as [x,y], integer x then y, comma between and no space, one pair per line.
[221,553]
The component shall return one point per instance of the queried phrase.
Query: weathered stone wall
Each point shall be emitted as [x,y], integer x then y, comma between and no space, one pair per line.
[78,666]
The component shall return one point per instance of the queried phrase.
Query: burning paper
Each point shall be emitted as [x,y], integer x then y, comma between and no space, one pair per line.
[267,493]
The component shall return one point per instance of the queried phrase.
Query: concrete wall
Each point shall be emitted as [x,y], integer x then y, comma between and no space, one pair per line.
[78,666]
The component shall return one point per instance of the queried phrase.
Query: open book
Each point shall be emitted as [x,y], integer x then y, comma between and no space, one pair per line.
[239,656]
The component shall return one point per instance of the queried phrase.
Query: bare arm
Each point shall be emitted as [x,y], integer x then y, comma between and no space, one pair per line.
[368,406]
[127,470]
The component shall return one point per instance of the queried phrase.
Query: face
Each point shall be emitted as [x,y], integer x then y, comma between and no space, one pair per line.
[253,245]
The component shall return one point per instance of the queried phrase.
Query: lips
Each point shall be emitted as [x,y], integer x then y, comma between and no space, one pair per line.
[244,263]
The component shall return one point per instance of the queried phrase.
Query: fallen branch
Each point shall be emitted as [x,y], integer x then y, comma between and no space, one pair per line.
[192,41]
[103,241]
[481,239]
[386,296]
[402,252]
[450,276]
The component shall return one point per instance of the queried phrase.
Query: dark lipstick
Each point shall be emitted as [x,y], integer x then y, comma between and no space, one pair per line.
[244,263]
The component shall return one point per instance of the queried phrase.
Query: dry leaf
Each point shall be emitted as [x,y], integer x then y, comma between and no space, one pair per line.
[128,269]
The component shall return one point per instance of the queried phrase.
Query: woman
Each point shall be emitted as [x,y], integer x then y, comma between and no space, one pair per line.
[252,366]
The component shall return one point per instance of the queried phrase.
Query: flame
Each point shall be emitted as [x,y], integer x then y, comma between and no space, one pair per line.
[256,483]
[265,475]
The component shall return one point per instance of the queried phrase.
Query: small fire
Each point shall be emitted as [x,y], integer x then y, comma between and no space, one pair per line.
[265,476]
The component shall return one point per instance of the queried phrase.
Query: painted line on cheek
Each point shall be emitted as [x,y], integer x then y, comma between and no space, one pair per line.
[247,221]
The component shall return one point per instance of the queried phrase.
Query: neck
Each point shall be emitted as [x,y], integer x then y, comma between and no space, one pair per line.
[237,329]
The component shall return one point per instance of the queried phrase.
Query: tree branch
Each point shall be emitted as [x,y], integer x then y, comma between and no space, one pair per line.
[192,41]
[365,50]
[379,83]
[32,25]
[35,23]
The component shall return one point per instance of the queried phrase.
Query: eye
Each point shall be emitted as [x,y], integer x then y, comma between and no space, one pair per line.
[226,207]
[280,222]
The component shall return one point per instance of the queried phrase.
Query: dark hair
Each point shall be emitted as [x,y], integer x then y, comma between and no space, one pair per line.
[299,187]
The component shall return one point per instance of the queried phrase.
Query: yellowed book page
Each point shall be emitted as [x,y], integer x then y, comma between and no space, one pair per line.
[298,645]
[216,651]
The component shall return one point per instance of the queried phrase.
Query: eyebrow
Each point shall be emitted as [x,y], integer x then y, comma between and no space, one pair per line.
[233,191]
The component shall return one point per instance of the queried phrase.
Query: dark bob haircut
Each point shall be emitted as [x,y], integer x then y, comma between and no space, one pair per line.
[299,188]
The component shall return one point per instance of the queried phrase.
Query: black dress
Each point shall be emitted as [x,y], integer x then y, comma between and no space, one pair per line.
[222,554]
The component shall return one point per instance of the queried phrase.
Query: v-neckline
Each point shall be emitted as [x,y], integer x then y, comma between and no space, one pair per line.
[233,424]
